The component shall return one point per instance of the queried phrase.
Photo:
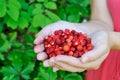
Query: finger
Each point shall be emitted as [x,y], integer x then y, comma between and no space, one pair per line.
[67,67]
[68,60]
[64,66]
[39,48]
[55,69]
[46,63]
[42,56]
[38,40]
[94,54]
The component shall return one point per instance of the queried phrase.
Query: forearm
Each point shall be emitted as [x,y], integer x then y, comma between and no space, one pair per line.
[100,12]
[114,38]
[100,17]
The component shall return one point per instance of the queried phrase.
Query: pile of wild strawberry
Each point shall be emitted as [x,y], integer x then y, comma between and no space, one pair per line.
[67,42]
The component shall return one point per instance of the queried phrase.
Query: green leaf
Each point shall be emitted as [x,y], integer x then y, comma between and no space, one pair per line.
[27,58]
[30,53]
[3,36]
[74,18]
[51,5]
[52,16]
[28,38]
[38,5]
[33,29]
[1,42]
[75,1]
[17,44]
[24,4]
[39,78]
[2,57]
[47,73]
[16,61]
[11,77]
[13,13]
[73,76]
[85,3]
[73,9]
[28,69]
[37,10]
[62,73]
[61,13]
[41,20]
[8,70]
[15,57]
[1,26]
[30,10]
[16,3]
[23,23]
[40,0]
[17,64]
[5,47]
[12,36]
[26,16]
[15,54]
[11,23]
[2,8]
[13,9]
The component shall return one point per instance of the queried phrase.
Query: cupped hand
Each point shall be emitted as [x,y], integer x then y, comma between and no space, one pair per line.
[48,30]
[90,60]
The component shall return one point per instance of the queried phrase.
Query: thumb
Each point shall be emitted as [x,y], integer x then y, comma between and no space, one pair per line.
[94,54]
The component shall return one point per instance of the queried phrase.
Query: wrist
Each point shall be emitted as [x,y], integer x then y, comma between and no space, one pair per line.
[111,40]
[114,39]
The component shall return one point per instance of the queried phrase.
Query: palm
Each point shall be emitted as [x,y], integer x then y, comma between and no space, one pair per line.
[100,51]
[94,57]
[48,30]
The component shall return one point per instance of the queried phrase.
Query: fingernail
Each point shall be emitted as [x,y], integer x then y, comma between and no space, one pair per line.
[36,50]
[37,41]
[46,63]
[84,59]
[39,57]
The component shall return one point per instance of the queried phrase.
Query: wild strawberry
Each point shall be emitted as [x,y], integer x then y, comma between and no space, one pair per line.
[70,53]
[72,48]
[67,42]
[58,41]
[79,47]
[66,48]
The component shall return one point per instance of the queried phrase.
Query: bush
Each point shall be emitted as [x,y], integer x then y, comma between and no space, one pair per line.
[20,20]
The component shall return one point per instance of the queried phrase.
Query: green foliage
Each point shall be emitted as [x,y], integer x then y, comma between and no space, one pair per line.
[73,76]
[20,21]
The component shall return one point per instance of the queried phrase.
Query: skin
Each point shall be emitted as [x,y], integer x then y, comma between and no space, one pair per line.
[99,28]
[114,40]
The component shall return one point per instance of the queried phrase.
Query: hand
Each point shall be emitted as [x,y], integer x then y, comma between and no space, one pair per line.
[48,30]
[90,60]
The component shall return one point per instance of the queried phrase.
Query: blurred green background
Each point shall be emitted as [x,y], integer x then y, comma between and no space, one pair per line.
[20,21]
